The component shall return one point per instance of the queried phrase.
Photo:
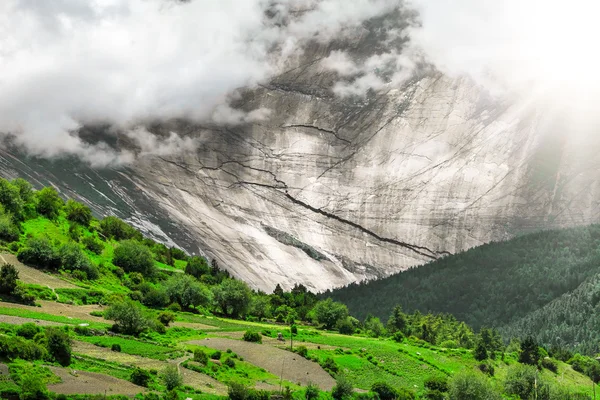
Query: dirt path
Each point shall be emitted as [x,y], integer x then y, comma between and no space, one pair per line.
[190,378]
[83,382]
[295,368]
[32,275]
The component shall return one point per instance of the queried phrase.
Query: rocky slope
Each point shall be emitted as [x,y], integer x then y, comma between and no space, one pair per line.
[331,190]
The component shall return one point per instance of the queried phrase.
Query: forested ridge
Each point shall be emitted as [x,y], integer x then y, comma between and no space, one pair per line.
[531,283]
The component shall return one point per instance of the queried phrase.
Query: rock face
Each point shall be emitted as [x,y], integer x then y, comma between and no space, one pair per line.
[327,190]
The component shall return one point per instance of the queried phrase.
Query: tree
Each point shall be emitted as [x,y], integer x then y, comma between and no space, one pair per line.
[49,202]
[471,386]
[78,212]
[9,231]
[128,317]
[329,312]
[171,377]
[523,381]
[260,307]
[133,256]
[232,297]
[480,353]
[11,199]
[197,266]
[374,326]
[397,321]
[187,291]
[8,279]
[25,189]
[530,352]
[59,345]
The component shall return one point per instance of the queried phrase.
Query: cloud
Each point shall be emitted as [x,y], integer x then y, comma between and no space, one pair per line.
[68,63]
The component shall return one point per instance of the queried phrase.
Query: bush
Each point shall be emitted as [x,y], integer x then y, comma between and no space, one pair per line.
[521,380]
[343,389]
[116,347]
[330,366]
[39,253]
[171,377]
[174,307]
[114,228]
[166,317]
[93,245]
[8,279]
[9,232]
[216,355]
[134,257]
[78,212]
[312,392]
[128,316]
[49,202]
[471,386]
[16,347]
[229,362]
[398,337]
[28,331]
[439,383]
[200,356]
[550,365]
[156,298]
[384,391]
[487,368]
[59,345]
[83,331]
[302,351]
[345,326]
[140,377]
[254,337]
[33,387]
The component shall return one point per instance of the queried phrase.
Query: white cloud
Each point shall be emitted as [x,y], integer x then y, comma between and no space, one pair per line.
[66,63]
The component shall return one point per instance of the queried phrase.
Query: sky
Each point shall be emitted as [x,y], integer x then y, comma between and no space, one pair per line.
[66,63]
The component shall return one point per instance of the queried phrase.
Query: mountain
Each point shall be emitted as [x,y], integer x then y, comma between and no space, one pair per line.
[329,190]
[544,284]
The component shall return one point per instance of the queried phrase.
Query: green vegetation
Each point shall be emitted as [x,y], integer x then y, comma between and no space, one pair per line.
[156,299]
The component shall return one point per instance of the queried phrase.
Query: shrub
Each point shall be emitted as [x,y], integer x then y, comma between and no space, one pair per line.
[133,256]
[522,380]
[345,326]
[16,347]
[39,253]
[200,356]
[384,391]
[28,331]
[302,351]
[128,316]
[312,392]
[49,202]
[157,298]
[330,366]
[216,355]
[487,368]
[398,337]
[439,383]
[140,377]
[343,388]
[550,365]
[33,387]
[254,337]
[8,279]
[471,386]
[83,331]
[229,362]
[93,245]
[78,212]
[480,353]
[174,307]
[59,345]
[115,228]
[171,377]
[9,232]
[166,317]
[117,348]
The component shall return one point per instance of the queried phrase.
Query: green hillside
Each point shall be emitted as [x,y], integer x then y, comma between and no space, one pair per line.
[91,309]
[536,277]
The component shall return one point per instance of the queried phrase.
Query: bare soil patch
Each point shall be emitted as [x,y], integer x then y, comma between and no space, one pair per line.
[8,319]
[295,368]
[83,382]
[34,276]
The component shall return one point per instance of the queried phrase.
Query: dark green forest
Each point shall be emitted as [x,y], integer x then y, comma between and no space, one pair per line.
[543,283]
